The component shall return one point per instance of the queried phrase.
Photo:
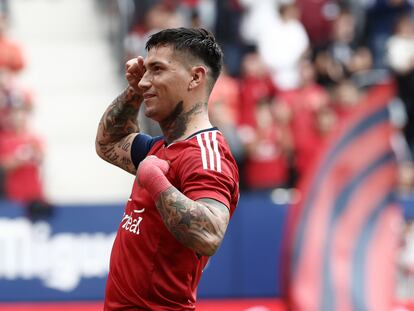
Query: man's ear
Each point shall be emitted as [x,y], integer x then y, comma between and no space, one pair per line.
[198,77]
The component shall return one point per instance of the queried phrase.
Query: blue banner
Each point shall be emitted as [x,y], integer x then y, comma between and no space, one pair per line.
[63,257]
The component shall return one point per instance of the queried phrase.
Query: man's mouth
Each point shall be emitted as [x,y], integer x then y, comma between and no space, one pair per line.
[147,96]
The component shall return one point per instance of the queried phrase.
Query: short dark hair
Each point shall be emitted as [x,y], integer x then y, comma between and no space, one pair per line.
[197,42]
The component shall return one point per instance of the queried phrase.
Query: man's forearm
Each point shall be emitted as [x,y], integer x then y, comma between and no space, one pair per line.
[116,130]
[198,225]
[120,118]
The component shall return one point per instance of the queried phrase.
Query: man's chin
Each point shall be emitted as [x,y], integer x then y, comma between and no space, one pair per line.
[151,114]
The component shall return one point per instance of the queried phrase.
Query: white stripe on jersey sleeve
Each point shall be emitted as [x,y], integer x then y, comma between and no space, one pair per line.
[210,150]
[216,151]
[203,151]
[209,145]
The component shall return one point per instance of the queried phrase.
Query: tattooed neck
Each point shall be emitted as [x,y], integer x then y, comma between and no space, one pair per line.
[176,124]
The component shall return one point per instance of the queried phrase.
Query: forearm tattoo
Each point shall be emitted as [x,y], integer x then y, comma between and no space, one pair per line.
[198,225]
[120,119]
[113,140]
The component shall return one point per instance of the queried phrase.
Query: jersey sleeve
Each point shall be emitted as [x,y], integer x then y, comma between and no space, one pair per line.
[140,147]
[214,179]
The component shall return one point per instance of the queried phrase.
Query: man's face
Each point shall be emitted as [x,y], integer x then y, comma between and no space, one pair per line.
[165,82]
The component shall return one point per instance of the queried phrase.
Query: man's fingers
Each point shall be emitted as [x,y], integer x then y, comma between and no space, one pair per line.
[157,162]
[131,63]
[134,72]
[140,61]
[131,76]
[135,64]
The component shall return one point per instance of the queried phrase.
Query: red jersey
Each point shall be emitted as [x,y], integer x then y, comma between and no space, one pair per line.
[11,56]
[23,183]
[266,166]
[149,268]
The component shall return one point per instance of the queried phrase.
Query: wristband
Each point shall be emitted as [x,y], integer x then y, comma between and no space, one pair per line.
[151,176]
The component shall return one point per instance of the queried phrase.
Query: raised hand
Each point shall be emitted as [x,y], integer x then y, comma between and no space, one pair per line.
[134,70]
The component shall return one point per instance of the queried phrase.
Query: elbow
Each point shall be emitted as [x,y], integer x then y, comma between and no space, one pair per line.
[209,253]
[100,149]
[210,247]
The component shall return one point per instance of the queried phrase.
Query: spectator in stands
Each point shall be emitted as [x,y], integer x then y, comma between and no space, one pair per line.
[283,45]
[318,24]
[401,60]
[255,84]
[159,16]
[227,28]
[262,128]
[226,94]
[266,165]
[257,18]
[381,16]
[224,110]
[11,55]
[141,8]
[342,57]
[345,96]
[21,152]
[308,106]
[198,13]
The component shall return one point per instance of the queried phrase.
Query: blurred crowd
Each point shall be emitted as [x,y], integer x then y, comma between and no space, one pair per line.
[293,71]
[21,150]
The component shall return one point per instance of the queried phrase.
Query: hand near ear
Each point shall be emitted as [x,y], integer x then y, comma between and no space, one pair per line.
[134,71]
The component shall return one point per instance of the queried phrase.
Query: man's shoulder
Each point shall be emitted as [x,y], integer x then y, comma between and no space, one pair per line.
[209,138]
[208,151]
[208,143]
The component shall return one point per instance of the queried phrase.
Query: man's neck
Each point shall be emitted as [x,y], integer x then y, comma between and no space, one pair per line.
[181,124]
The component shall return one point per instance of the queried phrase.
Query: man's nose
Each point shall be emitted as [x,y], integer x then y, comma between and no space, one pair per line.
[145,82]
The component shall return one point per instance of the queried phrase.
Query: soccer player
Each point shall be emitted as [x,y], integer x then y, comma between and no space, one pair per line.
[186,185]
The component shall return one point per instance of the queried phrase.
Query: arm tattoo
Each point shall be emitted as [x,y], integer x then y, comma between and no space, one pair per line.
[199,225]
[120,119]
[116,130]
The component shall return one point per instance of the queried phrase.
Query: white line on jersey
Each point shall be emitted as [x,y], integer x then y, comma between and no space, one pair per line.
[216,151]
[211,146]
[210,150]
[139,210]
[203,151]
